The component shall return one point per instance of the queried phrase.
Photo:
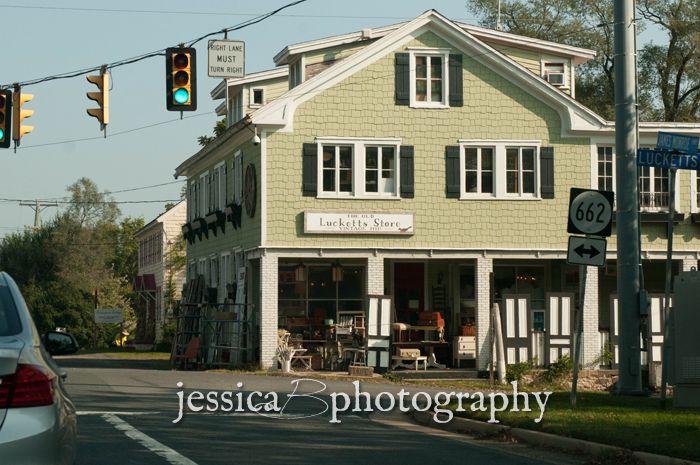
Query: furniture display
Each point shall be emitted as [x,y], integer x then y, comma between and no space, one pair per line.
[430,349]
[409,358]
[463,348]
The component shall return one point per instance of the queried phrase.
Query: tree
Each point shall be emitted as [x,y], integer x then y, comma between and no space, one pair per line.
[219,128]
[90,207]
[673,70]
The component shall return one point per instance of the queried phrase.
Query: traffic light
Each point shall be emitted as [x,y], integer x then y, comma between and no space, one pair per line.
[18,115]
[101,97]
[181,79]
[5,118]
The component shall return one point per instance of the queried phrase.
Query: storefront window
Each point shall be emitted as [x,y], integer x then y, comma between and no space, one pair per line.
[467,296]
[528,280]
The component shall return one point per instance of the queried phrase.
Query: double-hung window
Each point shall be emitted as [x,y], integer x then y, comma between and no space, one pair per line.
[203,194]
[429,77]
[362,168]
[695,191]
[654,187]
[499,169]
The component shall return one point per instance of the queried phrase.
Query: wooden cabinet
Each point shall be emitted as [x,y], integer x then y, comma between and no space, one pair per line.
[463,348]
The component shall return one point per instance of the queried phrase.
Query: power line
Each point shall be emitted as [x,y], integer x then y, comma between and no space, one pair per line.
[68,202]
[159,52]
[133,189]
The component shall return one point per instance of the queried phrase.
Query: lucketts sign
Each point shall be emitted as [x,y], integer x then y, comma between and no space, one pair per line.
[358,223]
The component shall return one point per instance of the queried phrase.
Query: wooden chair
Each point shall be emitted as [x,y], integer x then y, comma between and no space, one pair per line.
[191,352]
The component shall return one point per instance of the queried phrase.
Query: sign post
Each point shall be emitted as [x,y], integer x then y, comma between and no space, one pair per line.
[673,151]
[590,213]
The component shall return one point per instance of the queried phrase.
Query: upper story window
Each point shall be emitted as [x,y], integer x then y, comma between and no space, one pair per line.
[296,72]
[695,191]
[654,187]
[362,168]
[497,169]
[554,74]
[235,108]
[191,200]
[203,194]
[257,97]
[429,78]
[237,178]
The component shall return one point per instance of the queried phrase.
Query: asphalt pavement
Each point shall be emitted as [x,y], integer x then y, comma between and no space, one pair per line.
[126,417]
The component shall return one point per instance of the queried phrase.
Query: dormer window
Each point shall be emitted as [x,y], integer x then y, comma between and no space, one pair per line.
[554,74]
[428,78]
[257,97]
[296,73]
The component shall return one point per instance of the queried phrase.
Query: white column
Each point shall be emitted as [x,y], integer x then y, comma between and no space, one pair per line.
[591,333]
[268,311]
[484,266]
[689,263]
[375,275]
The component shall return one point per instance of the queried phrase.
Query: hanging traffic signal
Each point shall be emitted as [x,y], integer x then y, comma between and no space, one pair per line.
[18,115]
[181,79]
[5,118]
[101,97]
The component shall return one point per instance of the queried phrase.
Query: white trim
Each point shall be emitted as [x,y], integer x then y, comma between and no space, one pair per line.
[259,76]
[263,187]
[358,145]
[414,52]
[499,169]
[252,97]
[694,207]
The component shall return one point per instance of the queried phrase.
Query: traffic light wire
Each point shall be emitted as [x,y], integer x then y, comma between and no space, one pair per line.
[145,56]
[119,133]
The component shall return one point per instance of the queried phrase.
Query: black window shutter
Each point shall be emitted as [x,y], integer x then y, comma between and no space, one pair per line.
[547,172]
[456,82]
[401,79]
[406,166]
[452,171]
[310,170]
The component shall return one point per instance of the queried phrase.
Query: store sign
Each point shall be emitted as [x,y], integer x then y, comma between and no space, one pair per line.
[359,223]
[109,315]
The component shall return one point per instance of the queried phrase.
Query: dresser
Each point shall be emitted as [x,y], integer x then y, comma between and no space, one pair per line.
[463,348]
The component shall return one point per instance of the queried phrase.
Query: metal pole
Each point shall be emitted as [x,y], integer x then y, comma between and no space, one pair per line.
[582,275]
[628,285]
[667,291]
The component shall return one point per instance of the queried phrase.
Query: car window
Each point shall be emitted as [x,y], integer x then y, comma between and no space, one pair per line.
[9,319]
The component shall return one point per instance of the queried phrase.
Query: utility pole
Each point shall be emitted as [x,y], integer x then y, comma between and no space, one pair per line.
[628,242]
[38,207]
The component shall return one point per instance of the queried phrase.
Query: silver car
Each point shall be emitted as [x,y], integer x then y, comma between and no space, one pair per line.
[37,419]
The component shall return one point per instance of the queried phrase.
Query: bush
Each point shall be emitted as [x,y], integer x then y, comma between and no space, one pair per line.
[516,371]
[558,371]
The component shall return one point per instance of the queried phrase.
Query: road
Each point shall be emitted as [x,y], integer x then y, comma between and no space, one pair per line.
[126,417]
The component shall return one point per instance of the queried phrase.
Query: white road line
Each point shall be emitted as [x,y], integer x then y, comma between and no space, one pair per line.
[148,442]
[122,414]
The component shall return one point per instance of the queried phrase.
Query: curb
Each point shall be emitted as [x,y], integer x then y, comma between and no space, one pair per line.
[537,438]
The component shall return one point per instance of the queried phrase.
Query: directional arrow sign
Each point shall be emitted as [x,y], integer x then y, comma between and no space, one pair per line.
[586,251]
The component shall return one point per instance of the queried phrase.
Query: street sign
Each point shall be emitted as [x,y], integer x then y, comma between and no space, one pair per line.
[586,251]
[677,142]
[667,159]
[590,212]
[226,59]
[109,315]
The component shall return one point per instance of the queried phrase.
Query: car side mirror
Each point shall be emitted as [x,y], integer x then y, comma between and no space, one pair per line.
[59,343]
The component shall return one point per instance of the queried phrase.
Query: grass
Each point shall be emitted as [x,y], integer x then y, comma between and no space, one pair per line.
[637,423]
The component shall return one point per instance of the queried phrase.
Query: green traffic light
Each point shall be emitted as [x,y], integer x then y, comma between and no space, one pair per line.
[181,96]
[2,134]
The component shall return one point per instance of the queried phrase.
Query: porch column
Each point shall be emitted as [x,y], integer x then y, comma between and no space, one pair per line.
[591,334]
[689,263]
[484,266]
[375,275]
[268,311]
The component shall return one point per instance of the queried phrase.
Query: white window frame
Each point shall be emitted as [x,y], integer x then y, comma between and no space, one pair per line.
[429,52]
[237,177]
[463,169]
[499,169]
[235,108]
[251,100]
[296,72]
[694,206]
[545,66]
[594,177]
[358,167]
[220,185]
[652,172]
[203,194]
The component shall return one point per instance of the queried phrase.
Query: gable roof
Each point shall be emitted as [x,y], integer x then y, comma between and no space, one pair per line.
[219,91]
[577,54]
[162,217]
[575,116]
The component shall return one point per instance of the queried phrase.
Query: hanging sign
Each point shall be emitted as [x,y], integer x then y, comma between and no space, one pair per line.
[226,59]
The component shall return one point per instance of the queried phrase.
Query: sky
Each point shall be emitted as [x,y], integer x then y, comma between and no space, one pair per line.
[43,38]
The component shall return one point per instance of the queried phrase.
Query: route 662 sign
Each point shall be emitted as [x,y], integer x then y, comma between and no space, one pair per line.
[590,212]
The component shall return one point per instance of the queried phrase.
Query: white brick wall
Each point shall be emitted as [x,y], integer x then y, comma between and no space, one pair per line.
[375,275]
[484,266]
[268,311]
[591,335]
